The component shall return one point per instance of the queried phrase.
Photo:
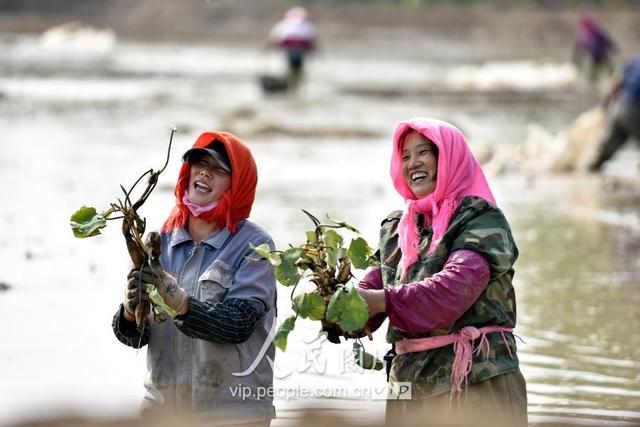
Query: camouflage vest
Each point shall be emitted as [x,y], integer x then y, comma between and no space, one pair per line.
[478,226]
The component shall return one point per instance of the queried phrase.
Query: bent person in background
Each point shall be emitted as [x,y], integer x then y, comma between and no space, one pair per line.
[296,36]
[623,114]
[444,280]
[593,49]
[224,301]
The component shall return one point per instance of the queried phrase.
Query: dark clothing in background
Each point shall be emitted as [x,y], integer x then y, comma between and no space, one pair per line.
[623,121]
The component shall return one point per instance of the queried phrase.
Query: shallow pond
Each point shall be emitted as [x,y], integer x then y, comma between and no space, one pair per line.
[77,123]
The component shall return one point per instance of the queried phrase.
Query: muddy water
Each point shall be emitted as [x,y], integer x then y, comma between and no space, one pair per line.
[77,123]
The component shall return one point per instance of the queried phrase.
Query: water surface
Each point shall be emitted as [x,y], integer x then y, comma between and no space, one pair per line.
[77,124]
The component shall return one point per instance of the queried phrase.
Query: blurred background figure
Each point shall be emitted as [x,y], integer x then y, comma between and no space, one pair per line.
[623,113]
[593,49]
[295,35]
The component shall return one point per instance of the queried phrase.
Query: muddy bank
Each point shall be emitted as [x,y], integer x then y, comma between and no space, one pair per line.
[494,30]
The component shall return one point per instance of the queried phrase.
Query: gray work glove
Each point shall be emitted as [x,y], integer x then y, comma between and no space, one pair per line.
[172,294]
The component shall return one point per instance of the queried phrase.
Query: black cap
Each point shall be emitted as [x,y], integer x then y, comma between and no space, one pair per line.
[215,150]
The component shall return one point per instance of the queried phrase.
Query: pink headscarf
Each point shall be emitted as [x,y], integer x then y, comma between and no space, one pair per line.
[588,23]
[459,175]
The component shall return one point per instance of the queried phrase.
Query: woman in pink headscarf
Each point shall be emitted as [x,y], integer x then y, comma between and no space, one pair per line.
[444,280]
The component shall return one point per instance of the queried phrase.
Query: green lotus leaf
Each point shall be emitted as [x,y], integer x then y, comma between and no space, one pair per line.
[334,308]
[280,340]
[348,309]
[311,237]
[332,239]
[265,251]
[355,312]
[366,360]
[360,253]
[309,306]
[334,255]
[287,272]
[87,222]
[287,277]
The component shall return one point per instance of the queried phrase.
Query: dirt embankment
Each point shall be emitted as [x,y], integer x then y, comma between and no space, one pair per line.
[535,31]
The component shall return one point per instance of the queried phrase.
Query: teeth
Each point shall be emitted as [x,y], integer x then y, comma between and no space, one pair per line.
[418,175]
[200,186]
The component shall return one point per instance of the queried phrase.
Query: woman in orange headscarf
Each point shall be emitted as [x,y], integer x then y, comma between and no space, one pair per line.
[222,298]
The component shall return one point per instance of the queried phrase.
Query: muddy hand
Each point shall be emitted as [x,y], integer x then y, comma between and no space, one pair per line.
[133,295]
[135,299]
[153,273]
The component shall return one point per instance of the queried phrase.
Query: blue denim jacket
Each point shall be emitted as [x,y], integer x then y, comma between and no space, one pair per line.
[197,375]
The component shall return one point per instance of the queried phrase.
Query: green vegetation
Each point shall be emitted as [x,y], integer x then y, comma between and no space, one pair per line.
[87,222]
[325,261]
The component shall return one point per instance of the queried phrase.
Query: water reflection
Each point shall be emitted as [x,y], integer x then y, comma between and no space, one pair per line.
[579,306]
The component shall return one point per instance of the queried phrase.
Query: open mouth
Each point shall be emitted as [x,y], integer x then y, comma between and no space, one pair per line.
[202,187]
[418,176]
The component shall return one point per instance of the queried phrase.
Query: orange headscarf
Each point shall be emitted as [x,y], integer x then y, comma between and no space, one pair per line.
[235,203]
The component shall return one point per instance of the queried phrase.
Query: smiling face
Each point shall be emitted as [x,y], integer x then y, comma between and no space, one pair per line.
[207,180]
[419,164]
